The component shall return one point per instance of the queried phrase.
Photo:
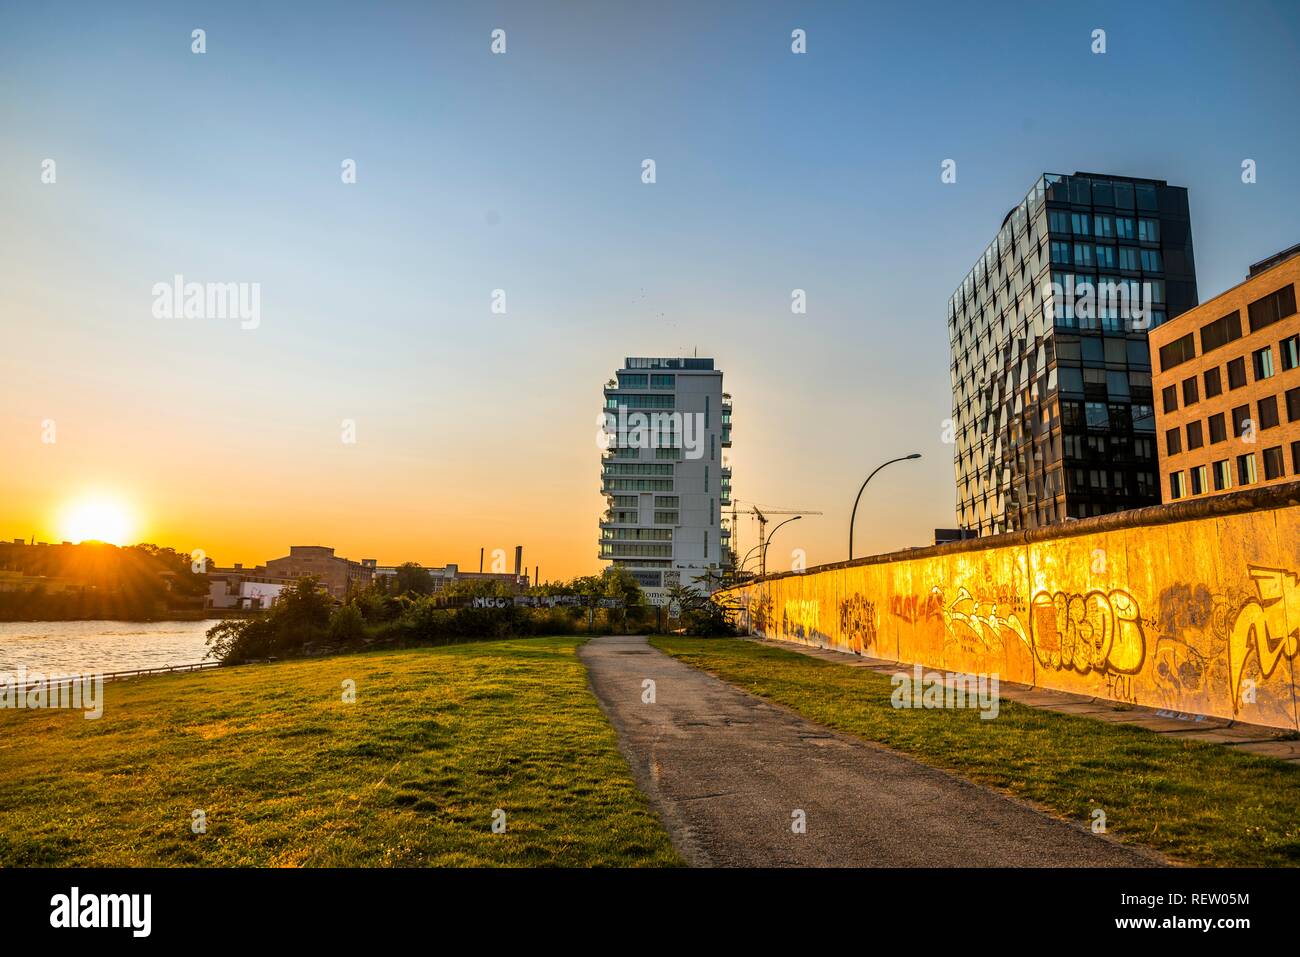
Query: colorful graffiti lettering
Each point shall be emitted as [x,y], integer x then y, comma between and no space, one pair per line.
[966,622]
[1097,631]
[801,618]
[859,622]
[913,608]
[1262,626]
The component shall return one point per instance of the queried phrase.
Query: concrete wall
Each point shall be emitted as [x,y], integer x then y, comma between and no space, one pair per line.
[1192,607]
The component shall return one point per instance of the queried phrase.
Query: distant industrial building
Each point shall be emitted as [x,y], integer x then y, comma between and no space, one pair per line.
[1227,385]
[451,573]
[338,575]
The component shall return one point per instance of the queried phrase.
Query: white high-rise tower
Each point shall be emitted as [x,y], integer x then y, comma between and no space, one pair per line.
[667,421]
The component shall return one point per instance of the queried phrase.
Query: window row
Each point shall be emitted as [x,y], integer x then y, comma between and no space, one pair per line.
[1197,480]
[1263,312]
[1103,226]
[1262,365]
[1267,416]
[1128,258]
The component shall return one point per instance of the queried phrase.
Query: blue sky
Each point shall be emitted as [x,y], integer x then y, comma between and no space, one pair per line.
[522,172]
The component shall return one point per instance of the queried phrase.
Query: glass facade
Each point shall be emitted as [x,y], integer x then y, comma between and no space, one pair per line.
[1053,412]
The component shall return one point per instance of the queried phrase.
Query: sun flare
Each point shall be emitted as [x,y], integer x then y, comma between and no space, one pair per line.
[98,519]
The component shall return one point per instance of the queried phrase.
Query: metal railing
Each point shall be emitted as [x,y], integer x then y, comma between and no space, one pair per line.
[57,679]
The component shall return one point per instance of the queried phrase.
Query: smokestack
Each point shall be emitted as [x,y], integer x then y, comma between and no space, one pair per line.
[519,560]
[480,561]
[536,580]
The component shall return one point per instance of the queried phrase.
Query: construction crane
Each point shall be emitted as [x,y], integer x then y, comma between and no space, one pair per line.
[761,512]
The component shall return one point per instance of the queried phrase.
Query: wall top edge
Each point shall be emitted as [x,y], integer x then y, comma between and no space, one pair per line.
[1266,498]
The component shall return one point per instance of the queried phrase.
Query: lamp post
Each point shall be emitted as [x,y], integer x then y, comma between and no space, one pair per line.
[853,518]
[745,561]
[763,563]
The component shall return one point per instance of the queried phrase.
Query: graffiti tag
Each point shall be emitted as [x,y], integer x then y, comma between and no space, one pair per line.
[1261,626]
[1098,631]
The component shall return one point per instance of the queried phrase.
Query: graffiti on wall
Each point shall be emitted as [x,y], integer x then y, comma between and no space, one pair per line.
[914,608]
[859,622]
[980,626]
[1097,631]
[801,618]
[1268,625]
[1191,628]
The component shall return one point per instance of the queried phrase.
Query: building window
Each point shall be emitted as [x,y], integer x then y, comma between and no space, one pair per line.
[1148,231]
[1194,437]
[1125,227]
[1177,352]
[1290,351]
[1173,442]
[1237,373]
[1128,258]
[1169,395]
[1218,431]
[1222,475]
[1293,404]
[1220,332]
[1274,466]
[1098,416]
[1151,261]
[1295,458]
[1198,480]
[1246,469]
[1213,382]
[1079,223]
[1176,485]
[1268,310]
[1268,412]
[1240,420]
[1263,362]
[1190,393]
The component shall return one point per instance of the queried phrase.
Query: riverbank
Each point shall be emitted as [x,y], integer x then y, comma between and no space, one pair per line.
[198,614]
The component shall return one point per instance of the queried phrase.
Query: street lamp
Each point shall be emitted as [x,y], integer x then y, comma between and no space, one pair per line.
[763,564]
[853,518]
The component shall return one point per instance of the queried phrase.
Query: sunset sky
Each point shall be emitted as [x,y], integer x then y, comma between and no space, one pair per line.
[522,172]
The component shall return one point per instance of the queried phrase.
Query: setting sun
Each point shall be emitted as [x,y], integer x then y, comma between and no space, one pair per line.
[97,519]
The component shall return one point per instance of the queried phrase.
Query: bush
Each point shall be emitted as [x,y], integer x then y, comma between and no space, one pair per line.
[347,626]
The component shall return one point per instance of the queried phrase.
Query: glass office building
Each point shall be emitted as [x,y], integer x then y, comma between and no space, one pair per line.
[1053,414]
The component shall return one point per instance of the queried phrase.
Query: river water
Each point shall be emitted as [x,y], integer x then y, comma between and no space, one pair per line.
[89,647]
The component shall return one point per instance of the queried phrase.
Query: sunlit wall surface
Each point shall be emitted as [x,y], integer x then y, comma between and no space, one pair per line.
[1188,607]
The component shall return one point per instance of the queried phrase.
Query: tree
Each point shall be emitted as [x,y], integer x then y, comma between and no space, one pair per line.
[413,579]
[347,625]
[701,614]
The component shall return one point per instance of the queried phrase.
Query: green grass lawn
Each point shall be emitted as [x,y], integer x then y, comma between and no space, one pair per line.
[289,775]
[1197,803]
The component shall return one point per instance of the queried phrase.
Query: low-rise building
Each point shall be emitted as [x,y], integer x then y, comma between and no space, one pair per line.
[1227,386]
[240,587]
[450,573]
[338,575]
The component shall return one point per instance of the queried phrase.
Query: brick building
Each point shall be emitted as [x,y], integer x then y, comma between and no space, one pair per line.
[336,574]
[1227,386]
